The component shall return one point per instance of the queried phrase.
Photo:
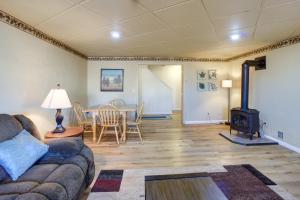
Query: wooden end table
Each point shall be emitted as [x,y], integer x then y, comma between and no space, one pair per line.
[70,132]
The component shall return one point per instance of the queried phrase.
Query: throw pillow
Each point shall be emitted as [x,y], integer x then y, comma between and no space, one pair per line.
[19,153]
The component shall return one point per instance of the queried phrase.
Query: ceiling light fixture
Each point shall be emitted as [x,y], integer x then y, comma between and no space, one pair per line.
[235,37]
[115,34]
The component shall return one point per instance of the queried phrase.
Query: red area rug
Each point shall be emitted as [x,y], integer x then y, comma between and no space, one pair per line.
[108,181]
[244,182]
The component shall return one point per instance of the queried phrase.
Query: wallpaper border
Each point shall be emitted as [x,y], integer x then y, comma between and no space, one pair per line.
[15,22]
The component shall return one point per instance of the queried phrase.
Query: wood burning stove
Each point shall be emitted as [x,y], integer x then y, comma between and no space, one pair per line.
[243,119]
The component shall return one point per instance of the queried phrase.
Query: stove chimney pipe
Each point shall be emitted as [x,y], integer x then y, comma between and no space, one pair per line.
[259,64]
[245,86]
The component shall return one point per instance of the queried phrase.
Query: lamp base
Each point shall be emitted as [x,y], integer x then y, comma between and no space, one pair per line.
[59,130]
[59,118]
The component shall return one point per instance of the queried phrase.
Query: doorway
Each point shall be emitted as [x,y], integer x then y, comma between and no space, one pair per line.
[160,88]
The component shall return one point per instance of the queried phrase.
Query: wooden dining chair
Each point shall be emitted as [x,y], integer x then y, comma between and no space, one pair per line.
[117,102]
[135,126]
[81,118]
[109,117]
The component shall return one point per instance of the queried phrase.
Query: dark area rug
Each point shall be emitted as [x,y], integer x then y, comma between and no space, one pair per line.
[108,181]
[157,117]
[259,175]
[244,182]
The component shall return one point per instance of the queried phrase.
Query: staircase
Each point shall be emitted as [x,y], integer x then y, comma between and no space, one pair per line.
[155,94]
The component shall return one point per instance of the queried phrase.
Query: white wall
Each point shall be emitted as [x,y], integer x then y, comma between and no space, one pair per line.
[29,68]
[276,93]
[204,106]
[154,93]
[196,105]
[171,75]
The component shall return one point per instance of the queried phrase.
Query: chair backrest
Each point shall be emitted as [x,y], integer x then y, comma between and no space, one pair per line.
[117,102]
[108,115]
[80,115]
[140,113]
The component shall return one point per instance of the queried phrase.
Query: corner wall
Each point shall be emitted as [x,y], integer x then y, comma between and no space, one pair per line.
[29,68]
[276,93]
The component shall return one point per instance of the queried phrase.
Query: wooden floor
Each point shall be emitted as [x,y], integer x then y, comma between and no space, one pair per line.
[167,143]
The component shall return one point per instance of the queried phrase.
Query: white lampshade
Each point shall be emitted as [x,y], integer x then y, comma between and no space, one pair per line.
[226,83]
[57,99]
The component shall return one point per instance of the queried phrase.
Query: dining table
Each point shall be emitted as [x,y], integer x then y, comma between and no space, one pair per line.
[123,109]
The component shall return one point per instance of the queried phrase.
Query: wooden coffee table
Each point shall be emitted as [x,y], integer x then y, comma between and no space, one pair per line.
[70,132]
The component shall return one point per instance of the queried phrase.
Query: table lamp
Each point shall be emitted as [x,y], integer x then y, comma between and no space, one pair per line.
[57,99]
[227,84]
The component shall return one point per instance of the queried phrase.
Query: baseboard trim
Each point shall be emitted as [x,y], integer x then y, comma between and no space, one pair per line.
[205,122]
[284,144]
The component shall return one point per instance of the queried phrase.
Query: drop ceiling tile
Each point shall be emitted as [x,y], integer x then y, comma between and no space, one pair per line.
[159,4]
[296,32]
[228,51]
[276,31]
[77,1]
[270,3]
[191,12]
[34,11]
[247,43]
[280,12]
[72,23]
[142,24]
[221,8]
[195,31]
[157,36]
[238,21]
[115,10]
[103,52]
[154,50]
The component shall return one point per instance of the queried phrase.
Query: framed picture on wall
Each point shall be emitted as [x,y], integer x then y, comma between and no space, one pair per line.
[201,86]
[201,75]
[112,80]
[212,74]
[211,86]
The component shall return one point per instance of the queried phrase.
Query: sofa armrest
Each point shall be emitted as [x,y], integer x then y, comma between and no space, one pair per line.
[67,150]
[64,147]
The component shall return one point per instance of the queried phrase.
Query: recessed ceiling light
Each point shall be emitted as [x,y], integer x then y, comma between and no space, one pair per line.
[115,34]
[235,37]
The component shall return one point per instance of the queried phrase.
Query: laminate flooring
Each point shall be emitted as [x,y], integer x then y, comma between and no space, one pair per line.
[167,143]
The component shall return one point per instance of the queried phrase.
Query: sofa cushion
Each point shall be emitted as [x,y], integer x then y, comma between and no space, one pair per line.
[38,173]
[20,153]
[79,161]
[28,125]
[32,196]
[9,127]
[3,174]
[53,191]
[69,176]
[20,187]
[8,197]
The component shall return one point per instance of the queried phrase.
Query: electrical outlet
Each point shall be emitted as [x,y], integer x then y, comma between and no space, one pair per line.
[280,134]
